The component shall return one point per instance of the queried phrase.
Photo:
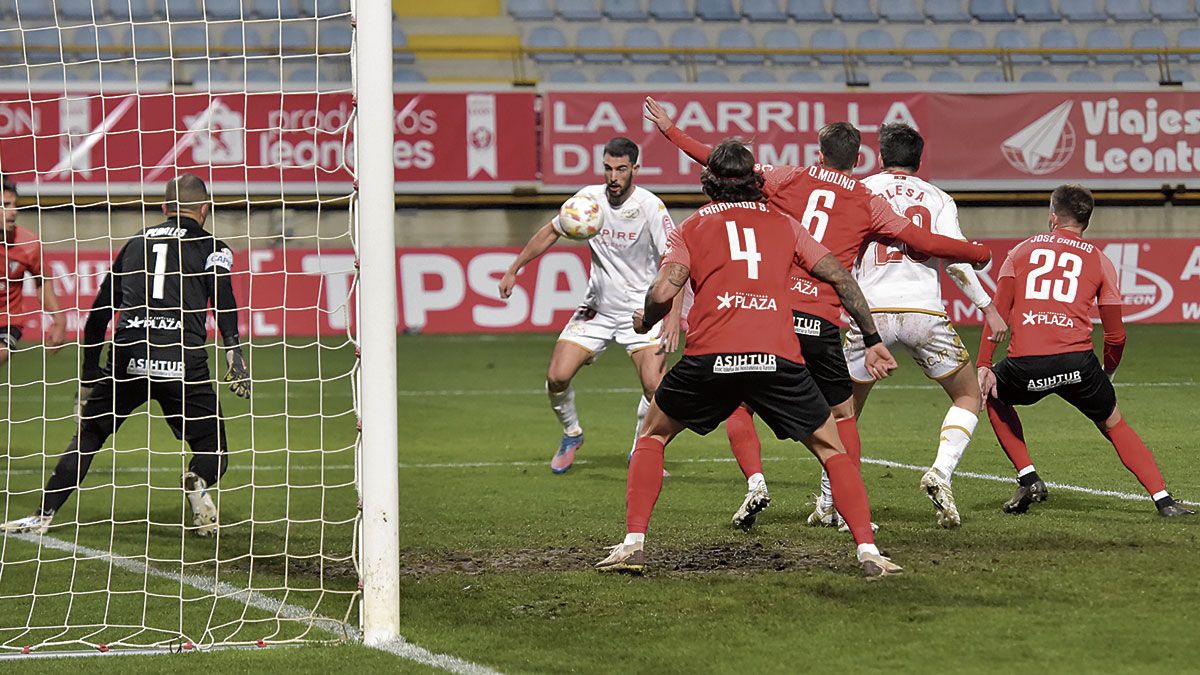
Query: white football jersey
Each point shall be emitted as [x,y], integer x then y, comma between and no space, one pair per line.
[893,279]
[626,253]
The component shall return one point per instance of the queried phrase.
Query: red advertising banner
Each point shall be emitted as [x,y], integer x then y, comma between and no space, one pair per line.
[1026,140]
[259,142]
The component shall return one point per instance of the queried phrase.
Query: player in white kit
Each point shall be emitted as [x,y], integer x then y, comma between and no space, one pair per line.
[625,258]
[905,295]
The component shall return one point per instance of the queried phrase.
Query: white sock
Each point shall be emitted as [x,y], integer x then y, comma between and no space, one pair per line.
[1026,471]
[635,538]
[864,549]
[564,407]
[643,408]
[826,497]
[1159,495]
[957,428]
[754,481]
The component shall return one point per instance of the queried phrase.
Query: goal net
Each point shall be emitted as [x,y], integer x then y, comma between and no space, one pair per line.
[102,102]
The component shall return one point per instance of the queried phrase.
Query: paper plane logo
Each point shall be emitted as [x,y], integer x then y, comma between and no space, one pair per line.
[1044,146]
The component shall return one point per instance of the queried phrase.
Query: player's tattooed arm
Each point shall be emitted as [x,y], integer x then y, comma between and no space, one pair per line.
[829,270]
[669,282]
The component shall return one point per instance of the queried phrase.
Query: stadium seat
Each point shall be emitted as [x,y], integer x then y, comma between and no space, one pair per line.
[548,36]
[218,10]
[189,40]
[758,77]
[399,40]
[624,10]
[946,76]
[809,11]
[1084,76]
[1130,75]
[334,70]
[762,11]
[1127,10]
[407,75]
[597,36]
[969,38]
[33,11]
[712,77]
[898,76]
[946,11]
[989,76]
[923,38]
[578,10]
[567,76]
[855,11]
[876,38]
[1189,37]
[82,40]
[615,76]
[648,38]
[80,10]
[305,77]
[690,37]
[1107,38]
[1015,38]
[785,38]
[274,9]
[204,76]
[1172,10]
[1038,76]
[1180,75]
[149,41]
[1035,10]
[1062,38]
[234,39]
[1075,11]
[717,10]
[319,8]
[991,11]
[805,77]
[829,38]
[671,10]
[115,43]
[857,79]
[265,73]
[900,11]
[1151,38]
[154,75]
[530,10]
[739,38]
[179,10]
[664,76]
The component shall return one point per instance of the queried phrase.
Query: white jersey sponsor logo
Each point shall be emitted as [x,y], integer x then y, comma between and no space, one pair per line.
[745,363]
[155,368]
[222,258]
[1054,381]
[751,301]
[155,322]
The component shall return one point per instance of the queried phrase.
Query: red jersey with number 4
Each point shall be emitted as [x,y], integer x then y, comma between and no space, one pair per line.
[740,257]
[1057,277]
[23,254]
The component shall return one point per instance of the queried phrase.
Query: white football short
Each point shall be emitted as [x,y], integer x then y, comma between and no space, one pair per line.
[929,338]
[593,331]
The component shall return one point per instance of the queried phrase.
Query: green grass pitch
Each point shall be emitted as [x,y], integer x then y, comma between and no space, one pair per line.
[496,550]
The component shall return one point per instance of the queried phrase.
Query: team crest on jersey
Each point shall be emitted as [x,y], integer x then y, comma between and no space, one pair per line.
[1054,381]
[751,301]
[804,287]
[1047,319]
[631,213]
[744,363]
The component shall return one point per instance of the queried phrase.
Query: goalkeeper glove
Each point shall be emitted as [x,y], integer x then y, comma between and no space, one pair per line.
[238,375]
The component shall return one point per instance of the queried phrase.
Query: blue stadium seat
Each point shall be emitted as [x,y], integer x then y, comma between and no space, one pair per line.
[989,76]
[1180,75]
[690,37]
[624,10]
[923,38]
[739,38]
[1189,37]
[79,10]
[671,10]
[1150,38]
[217,10]
[530,10]
[190,40]
[334,35]
[1038,76]
[829,38]
[991,11]
[858,79]
[1062,38]
[1035,10]
[597,36]
[116,43]
[149,41]
[1127,10]
[399,39]
[946,11]
[265,73]
[855,11]
[273,9]
[578,10]
[179,10]
[946,76]
[900,11]
[615,76]
[235,38]
[1084,76]
[876,38]
[805,77]
[1130,75]
[83,41]
[762,10]
[407,76]
[712,77]
[758,77]
[1107,38]
[969,38]
[664,76]
[305,77]
[153,75]
[898,76]
[319,8]
[1169,10]
[1075,11]
[785,38]
[645,37]
[34,11]
[717,10]
[548,36]
[1015,38]
[809,11]
[567,76]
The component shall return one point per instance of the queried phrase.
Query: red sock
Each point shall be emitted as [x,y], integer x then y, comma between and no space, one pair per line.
[743,441]
[1008,430]
[848,431]
[643,484]
[1137,457]
[850,497]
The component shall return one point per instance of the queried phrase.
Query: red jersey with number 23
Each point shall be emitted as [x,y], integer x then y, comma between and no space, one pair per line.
[740,257]
[1057,276]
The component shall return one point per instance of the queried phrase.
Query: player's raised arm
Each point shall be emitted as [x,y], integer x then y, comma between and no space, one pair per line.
[964,275]
[224,305]
[665,290]
[541,240]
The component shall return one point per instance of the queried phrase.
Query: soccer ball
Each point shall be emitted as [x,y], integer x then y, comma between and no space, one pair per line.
[580,218]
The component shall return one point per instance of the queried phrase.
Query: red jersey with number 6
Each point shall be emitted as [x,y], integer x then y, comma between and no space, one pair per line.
[1057,277]
[740,257]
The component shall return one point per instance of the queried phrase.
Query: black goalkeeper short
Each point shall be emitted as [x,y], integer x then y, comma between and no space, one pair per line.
[821,345]
[1076,377]
[701,392]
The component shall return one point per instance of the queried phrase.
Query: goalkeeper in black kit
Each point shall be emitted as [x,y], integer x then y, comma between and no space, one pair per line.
[163,283]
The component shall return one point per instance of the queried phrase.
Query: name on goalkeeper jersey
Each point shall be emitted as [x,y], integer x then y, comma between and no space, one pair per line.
[1046,383]
[744,363]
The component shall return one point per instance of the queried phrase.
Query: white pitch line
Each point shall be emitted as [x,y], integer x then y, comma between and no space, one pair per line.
[436,393]
[398,647]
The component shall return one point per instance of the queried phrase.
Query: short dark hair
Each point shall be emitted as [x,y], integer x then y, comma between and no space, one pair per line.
[622,147]
[900,146]
[730,175]
[839,143]
[185,190]
[1073,201]
[7,185]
